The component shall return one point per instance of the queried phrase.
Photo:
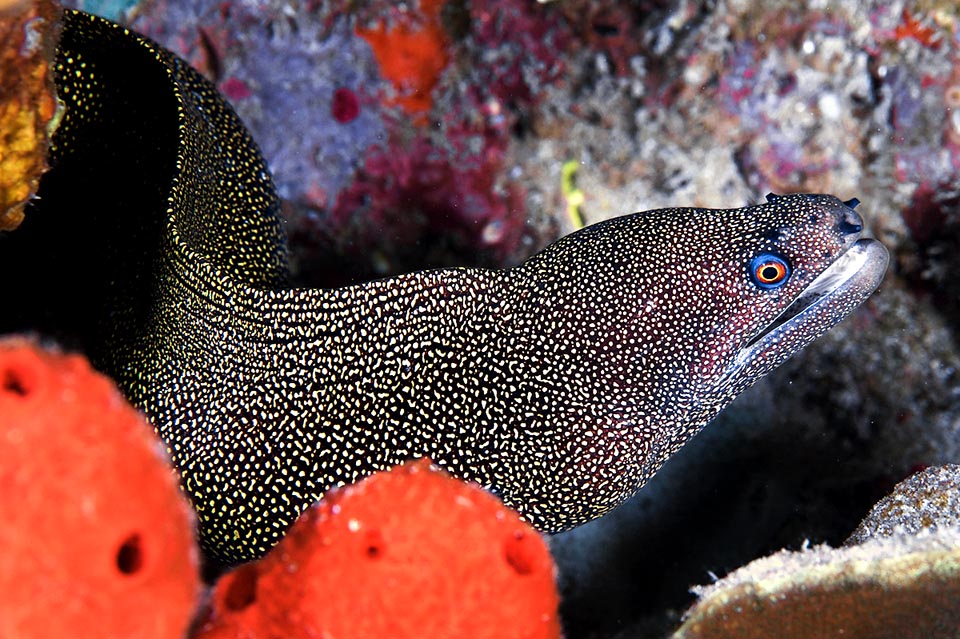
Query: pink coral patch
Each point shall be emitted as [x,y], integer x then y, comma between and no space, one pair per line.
[345,107]
[235,88]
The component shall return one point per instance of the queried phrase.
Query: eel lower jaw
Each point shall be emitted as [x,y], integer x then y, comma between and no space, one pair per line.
[831,297]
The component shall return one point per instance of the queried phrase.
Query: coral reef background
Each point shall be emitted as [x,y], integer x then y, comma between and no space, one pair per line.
[424,133]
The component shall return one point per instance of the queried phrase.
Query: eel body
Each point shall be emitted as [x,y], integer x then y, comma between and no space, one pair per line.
[561,384]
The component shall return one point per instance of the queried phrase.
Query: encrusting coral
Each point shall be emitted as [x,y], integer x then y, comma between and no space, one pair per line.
[97,539]
[28,34]
[927,500]
[411,56]
[409,552]
[900,579]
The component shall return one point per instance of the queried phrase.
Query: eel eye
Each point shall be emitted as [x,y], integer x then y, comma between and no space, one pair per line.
[769,271]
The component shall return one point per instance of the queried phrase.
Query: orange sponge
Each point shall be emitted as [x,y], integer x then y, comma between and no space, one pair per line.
[410,552]
[96,538]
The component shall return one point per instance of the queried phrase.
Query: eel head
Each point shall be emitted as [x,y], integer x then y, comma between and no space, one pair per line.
[670,314]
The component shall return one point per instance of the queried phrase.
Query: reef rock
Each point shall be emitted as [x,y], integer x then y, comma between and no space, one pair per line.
[900,578]
[28,33]
[929,499]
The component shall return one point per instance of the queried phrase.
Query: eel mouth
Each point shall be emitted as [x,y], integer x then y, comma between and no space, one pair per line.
[833,295]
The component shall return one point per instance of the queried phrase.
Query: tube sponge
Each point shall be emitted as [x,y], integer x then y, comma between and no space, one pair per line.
[410,552]
[97,539]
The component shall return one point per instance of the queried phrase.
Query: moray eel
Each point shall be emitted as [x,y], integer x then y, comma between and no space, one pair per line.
[562,384]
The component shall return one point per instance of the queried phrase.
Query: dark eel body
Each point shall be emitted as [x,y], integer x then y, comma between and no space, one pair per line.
[562,384]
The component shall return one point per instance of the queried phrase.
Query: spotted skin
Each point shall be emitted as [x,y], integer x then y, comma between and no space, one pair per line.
[561,384]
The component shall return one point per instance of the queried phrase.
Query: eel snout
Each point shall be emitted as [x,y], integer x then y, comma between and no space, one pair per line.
[847,223]
[850,222]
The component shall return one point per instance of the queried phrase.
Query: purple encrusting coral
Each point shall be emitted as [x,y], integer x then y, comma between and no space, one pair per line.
[785,113]
[296,72]
[281,70]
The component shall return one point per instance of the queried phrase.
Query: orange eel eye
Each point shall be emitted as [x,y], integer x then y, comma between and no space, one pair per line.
[769,271]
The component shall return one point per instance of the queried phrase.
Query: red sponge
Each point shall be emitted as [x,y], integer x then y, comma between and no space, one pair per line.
[410,552]
[95,536]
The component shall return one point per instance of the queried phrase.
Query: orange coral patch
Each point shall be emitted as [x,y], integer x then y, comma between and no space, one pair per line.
[412,53]
[913,28]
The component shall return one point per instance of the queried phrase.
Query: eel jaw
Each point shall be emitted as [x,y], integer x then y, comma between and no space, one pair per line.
[831,297]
